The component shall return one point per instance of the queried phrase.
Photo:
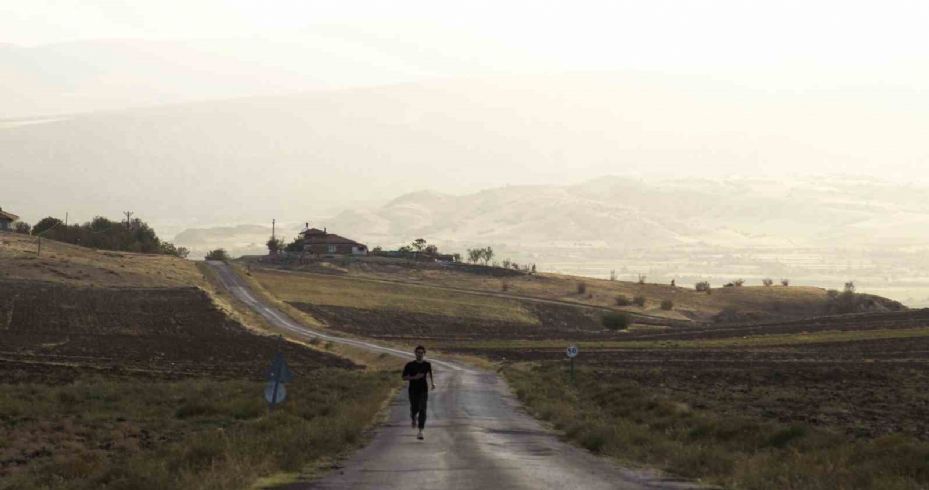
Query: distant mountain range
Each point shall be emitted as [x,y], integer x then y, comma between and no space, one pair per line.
[627,213]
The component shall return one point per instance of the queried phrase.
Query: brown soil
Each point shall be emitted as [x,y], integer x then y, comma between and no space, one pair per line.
[52,333]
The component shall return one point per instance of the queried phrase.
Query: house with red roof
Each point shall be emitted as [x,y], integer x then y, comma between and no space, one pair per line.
[321,242]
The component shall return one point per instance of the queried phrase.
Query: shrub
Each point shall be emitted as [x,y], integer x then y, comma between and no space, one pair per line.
[641,278]
[850,287]
[623,300]
[639,300]
[738,282]
[581,287]
[785,282]
[702,286]
[218,254]
[667,305]
[768,282]
[615,321]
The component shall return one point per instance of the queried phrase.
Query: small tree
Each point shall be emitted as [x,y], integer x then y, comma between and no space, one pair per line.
[612,274]
[702,286]
[581,287]
[46,224]
[641,278]
[623,300]
[533,269]
[667,305]
[738,283]
[431,249]
[456,257]
[785,282]
[615,321]
[168,248]
[377,250]
[639,301]
[506,263]
[487,254]
[768,282]
[218,254]
[850,287]
[274,245]
[419,244]
[22,227]
[475,255]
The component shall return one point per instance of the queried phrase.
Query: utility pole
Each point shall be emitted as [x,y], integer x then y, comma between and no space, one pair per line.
[128,218]
[273,221]
[66,218]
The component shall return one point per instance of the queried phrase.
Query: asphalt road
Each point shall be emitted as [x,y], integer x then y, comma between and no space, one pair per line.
[477,436]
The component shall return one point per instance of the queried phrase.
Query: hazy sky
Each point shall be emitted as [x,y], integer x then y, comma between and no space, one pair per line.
[803,44]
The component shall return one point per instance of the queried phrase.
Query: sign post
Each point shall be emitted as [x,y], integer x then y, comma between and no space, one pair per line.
[275,392]
[571,352]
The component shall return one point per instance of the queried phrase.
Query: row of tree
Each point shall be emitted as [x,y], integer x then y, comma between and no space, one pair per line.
[100,233]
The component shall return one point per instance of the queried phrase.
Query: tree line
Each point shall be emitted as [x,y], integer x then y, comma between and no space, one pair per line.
[101,233]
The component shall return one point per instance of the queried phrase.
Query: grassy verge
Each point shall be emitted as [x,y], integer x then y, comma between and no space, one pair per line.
[620,418]
[194,434]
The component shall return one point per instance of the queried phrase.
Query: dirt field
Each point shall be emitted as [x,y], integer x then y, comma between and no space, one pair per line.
[165,332]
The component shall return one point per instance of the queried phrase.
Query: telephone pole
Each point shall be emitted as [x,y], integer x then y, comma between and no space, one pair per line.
[128,218]
[273,222]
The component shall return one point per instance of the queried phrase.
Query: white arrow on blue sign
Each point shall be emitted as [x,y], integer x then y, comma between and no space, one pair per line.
[275,392]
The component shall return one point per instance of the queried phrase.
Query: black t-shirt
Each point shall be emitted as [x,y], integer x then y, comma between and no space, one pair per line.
[413,368]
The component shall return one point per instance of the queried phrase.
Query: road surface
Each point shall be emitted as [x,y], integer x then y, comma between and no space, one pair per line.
[477,436]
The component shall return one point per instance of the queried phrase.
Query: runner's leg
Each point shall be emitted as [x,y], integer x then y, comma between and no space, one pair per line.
[423,401]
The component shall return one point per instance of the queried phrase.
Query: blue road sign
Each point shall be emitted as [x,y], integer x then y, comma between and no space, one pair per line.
[275,392]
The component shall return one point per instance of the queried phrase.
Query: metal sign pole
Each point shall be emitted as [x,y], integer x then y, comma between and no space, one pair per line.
[276,375]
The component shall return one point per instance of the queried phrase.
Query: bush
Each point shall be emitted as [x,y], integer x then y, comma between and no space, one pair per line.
[639,300]
[785,282]
[738,282]
[768,282]
[218,254]
[702,286]
[22,227]
[581,287]
[623,300]
[667,305]
[615,321]
[641,278]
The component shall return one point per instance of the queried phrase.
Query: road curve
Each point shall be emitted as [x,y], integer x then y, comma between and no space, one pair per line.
[477,436]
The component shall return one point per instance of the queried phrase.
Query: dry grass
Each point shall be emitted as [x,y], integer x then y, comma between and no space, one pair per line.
[688,303]
[79,266]
[620,418]
[197,434]
[320,289]
[773,340]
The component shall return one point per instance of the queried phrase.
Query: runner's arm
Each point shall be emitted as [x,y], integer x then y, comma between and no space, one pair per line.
[431,377]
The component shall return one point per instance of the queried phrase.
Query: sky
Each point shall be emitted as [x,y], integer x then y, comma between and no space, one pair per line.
[784,44]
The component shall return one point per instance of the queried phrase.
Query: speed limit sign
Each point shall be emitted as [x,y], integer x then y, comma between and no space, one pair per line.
[571,351]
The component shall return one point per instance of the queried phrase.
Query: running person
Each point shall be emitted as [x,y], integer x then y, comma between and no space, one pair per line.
[415,372]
